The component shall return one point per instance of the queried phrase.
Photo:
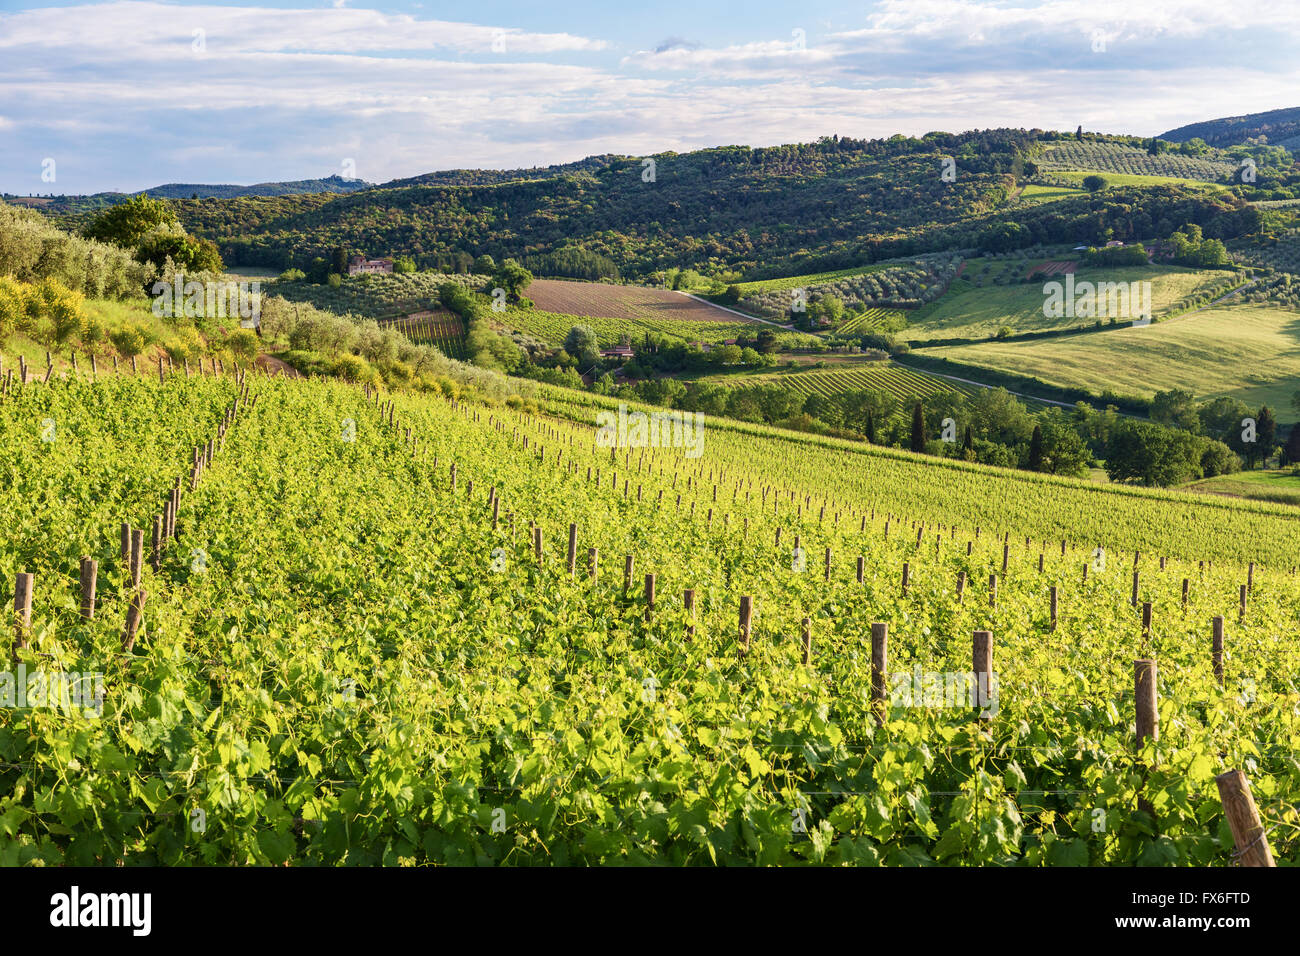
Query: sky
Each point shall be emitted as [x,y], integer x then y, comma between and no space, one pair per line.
[128,94]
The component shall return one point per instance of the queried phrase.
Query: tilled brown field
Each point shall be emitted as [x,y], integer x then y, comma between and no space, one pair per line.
[621,302]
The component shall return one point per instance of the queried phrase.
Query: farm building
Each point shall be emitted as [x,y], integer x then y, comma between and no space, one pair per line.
[360,265]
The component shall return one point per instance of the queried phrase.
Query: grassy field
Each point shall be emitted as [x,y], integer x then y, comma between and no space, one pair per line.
[1131,179]
[966,312]
[1248,352]
[1278,486]
[1035,193]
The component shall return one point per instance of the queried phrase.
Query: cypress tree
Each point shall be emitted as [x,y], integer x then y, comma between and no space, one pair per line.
[918,428]
[871,426]
[967,444]
[1036,449]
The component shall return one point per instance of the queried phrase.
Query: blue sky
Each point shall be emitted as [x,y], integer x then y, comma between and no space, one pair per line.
[133,93]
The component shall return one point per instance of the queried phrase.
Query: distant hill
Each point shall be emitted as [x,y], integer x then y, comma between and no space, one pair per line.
[493,177]
[1281,127]
[331,184]
[757,212]
[81,206]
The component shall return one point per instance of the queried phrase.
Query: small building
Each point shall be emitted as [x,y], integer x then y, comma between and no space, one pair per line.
[360,265]
[1114,244]
[618,351]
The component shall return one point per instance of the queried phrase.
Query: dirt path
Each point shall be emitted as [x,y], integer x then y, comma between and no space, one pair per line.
[743,315]
[274,366]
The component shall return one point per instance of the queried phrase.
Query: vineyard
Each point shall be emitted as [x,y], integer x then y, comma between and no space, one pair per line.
[375,628]
[443,330]
[552,327]
[901,383]
[1129,160]
[904,286]
[868,320]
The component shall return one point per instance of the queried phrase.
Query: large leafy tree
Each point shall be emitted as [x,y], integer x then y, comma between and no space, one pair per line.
[127,223]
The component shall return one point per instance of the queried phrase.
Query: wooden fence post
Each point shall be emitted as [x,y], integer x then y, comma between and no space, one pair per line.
[807,640]
[879,666]
[23,586]
[688,598]
[746,622]
[1144,689]
[1248,831]
[982,659]
[137,556]
[573,551]
[89,576]
[649,595]
[1216,648]
[134,615]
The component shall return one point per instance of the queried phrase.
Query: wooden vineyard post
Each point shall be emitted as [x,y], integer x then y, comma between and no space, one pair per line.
[861,565]
[688,598]
[89,576]
[1006,555]
[828,564]
[134,615]
[1134,598]
[573,552]
[137,556]
[1052,600]
[1216,648]
[961,586]
[593,564]
[1248,831]
[1241,614]
[1144,689]
[1250,578]
[628,565]
[746,622]
[807,640]
[537,544]
[649,595]
[155,556]
[982,660]
[1146,621]
[1186,585]
[879,667]
[993,590]
[23,586]
[1040,562]
[907,577]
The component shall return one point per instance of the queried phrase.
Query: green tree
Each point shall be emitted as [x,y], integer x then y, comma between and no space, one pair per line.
[1094,183]
[918,428]
[512,277]
[1036,449]
[1176,408]
[127,223]
[581,343]
[484,265]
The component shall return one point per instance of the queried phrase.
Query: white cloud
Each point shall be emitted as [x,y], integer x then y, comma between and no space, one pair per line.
[117,93]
